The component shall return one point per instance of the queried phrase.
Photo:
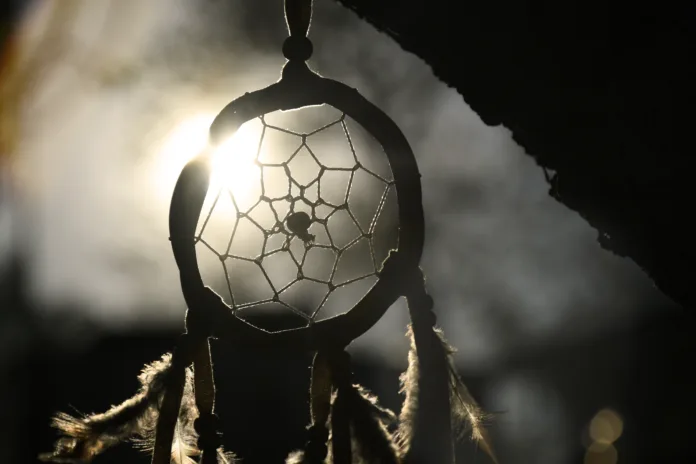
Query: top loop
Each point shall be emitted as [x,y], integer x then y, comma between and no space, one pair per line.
[298,15]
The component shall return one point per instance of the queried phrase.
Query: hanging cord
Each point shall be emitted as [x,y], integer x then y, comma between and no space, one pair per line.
[358,423]
[199,323]
[193,347]
[426,435]
[437,402]
[207,423]
[298,15]
[438,407]
[329,398]
[171,402]
[341,377]
[316,449]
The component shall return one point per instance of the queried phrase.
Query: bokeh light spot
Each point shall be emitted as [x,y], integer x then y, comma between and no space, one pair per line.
[606,427]
[599,453]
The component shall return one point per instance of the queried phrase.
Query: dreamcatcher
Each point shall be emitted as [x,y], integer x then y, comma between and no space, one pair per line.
[173,413]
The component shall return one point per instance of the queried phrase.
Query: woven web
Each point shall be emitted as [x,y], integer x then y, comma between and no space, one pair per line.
[305,182]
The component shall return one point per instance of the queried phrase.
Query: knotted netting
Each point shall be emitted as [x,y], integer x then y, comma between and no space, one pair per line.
[298,221]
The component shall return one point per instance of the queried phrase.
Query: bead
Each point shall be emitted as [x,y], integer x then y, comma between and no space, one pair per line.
[315,448]
[297,48]
[316,452]
[207,426]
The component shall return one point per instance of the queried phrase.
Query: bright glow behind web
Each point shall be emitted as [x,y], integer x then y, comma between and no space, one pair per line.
[186,140]
[232,162]
[262,174]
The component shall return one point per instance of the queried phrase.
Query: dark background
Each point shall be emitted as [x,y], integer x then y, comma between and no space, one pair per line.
[551,328]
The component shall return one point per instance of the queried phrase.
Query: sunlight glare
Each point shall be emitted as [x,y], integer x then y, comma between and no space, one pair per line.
[234,165]
[232,162]
[183,143]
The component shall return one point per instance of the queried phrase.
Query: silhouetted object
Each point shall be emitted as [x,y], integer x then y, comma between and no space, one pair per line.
[598,96]
[174,415]
[299,224]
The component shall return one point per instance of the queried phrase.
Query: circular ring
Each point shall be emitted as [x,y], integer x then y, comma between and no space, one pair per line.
[300,88]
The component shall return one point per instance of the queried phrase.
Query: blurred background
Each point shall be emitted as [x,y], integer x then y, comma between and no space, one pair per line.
[578,356]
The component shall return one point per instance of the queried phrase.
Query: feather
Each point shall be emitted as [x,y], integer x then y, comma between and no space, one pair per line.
[467,415]
[296,457]
[371,438]
[184,445]
[409,410]
[86,437]
[226,457]
[182,448]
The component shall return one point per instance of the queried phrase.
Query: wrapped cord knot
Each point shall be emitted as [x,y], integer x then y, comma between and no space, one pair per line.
[420,299]
[316,448]
[207,427]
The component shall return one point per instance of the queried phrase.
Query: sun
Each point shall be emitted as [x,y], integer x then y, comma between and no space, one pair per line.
[233,162]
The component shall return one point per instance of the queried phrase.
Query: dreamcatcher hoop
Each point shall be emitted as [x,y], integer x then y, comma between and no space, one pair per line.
[342,413]
[298,88]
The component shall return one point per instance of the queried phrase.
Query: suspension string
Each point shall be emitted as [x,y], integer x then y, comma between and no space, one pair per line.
[207,423]
[341,375]
[193,347]
[320,407]
[298,15]
[169,411]
[199,326]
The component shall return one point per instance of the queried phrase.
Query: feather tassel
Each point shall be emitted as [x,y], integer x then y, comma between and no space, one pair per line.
[296,457]
[370,437]
[467,416]
[226,457]
[425,429]
[84,438]
[184,447]
[409,409]
[369,421]
[184,444]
